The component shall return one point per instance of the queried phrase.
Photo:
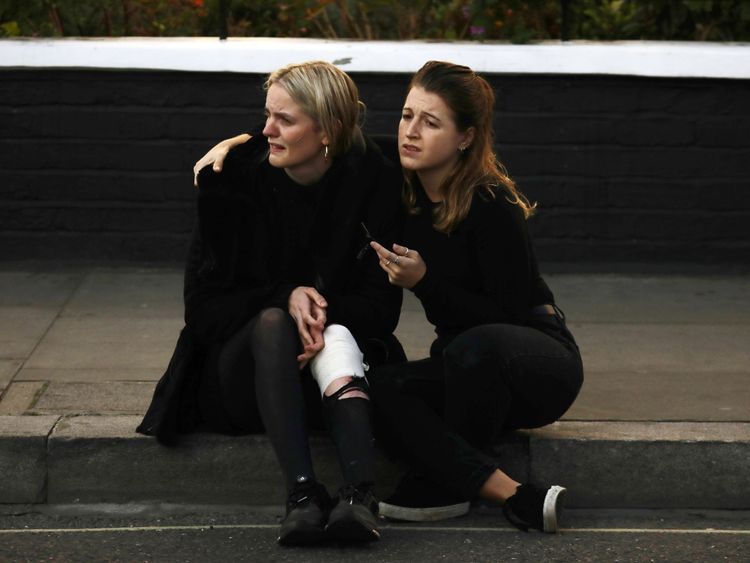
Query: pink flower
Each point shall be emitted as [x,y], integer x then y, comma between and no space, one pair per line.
[476,30]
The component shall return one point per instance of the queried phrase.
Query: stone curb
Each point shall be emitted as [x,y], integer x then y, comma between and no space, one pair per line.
[100,459]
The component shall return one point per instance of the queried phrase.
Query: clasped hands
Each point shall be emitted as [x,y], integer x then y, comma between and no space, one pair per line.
[308,309]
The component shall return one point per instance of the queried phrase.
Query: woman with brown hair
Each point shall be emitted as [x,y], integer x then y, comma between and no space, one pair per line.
[503,358]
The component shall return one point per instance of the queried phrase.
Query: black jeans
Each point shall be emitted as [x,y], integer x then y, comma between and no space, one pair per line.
[440,413]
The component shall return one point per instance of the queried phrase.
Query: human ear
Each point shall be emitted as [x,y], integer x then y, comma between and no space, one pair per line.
[468,137]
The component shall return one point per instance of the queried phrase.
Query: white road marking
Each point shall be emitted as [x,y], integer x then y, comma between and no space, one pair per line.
[411,528]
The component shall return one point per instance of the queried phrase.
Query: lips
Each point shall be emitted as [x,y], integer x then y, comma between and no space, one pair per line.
[410,149]
[274,148]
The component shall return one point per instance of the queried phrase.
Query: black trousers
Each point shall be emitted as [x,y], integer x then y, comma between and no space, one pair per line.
[441,413]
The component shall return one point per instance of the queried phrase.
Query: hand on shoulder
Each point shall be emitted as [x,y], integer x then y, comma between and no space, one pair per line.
[217,154]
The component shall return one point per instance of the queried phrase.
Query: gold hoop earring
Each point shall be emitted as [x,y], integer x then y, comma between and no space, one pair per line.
[325,154]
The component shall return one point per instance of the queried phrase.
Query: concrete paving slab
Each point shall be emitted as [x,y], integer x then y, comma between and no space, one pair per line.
[20,397]
[8,369]
[21,328]
[643,348]
[106,397]
[23,458]
[646,465]
[684,396]
[411,303]
[416,336]
[92,375]
[107,342]
[653,299]
[414,331]
[128,293]
[101,459]
[46,289]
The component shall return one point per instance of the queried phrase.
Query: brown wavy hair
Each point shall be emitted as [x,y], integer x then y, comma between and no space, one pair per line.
[472,101]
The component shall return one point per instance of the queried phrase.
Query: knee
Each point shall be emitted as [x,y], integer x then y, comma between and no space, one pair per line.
[464,354]
[273,316]
[346,388]
[273,321]
[338,365]
[337,333]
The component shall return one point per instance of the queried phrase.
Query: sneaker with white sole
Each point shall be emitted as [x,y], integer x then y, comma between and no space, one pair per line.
[418,499]
[535,506]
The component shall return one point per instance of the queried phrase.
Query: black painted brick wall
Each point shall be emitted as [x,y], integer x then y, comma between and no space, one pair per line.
[97,164]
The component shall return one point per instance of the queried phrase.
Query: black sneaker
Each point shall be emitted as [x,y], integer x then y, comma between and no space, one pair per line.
[306,514]
[354,518]
[535,507]
[419,499]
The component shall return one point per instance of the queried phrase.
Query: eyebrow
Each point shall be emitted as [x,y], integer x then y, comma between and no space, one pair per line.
[284,114]
[427,113]
[433,116]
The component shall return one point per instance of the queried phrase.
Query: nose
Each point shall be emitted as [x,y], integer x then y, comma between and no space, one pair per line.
[270,128]
[412,129]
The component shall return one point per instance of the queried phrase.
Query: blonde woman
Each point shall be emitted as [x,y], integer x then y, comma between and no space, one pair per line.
[283,296]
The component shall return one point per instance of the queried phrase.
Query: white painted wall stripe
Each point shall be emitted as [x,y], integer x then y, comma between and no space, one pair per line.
[262,55]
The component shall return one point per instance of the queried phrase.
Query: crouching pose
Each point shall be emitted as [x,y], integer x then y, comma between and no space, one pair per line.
[283,296]
[503,358]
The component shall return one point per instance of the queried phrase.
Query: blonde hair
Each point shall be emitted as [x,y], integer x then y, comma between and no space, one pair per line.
[471,100]
[328,96]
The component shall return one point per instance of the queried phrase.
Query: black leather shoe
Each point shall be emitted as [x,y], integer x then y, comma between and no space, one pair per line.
[354,518]
[306,515]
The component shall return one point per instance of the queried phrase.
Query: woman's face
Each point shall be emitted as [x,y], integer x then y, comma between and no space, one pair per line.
[295,142]
[428,139]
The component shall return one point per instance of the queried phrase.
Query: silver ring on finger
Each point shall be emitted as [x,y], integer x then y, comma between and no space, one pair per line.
[395,260]
[388,262]
[406,253]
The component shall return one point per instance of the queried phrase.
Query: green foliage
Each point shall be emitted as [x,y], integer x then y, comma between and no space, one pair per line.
[92,18]
[516,21]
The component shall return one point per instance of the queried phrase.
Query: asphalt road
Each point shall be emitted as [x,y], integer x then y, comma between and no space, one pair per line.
[198,534]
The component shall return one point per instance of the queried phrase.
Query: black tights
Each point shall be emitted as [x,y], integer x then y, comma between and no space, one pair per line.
[262,388]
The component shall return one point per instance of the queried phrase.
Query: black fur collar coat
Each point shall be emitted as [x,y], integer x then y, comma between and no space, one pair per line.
[231,275]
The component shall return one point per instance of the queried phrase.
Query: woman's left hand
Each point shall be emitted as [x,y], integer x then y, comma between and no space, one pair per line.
[403,265]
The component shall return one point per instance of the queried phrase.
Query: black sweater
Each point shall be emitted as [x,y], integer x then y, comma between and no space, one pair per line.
[234,267]
[484,272]
[237,266]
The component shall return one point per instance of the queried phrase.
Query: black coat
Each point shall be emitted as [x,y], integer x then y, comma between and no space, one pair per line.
[231,274]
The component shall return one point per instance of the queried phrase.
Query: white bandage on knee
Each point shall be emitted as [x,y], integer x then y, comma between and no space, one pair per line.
[339,358]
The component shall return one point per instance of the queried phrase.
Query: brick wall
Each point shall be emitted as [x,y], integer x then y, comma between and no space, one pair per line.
[97,164]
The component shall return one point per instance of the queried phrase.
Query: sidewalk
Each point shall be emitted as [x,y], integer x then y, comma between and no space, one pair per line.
[663,419]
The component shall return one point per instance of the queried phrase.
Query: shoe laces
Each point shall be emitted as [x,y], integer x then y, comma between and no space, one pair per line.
[304,492]
[360,494]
